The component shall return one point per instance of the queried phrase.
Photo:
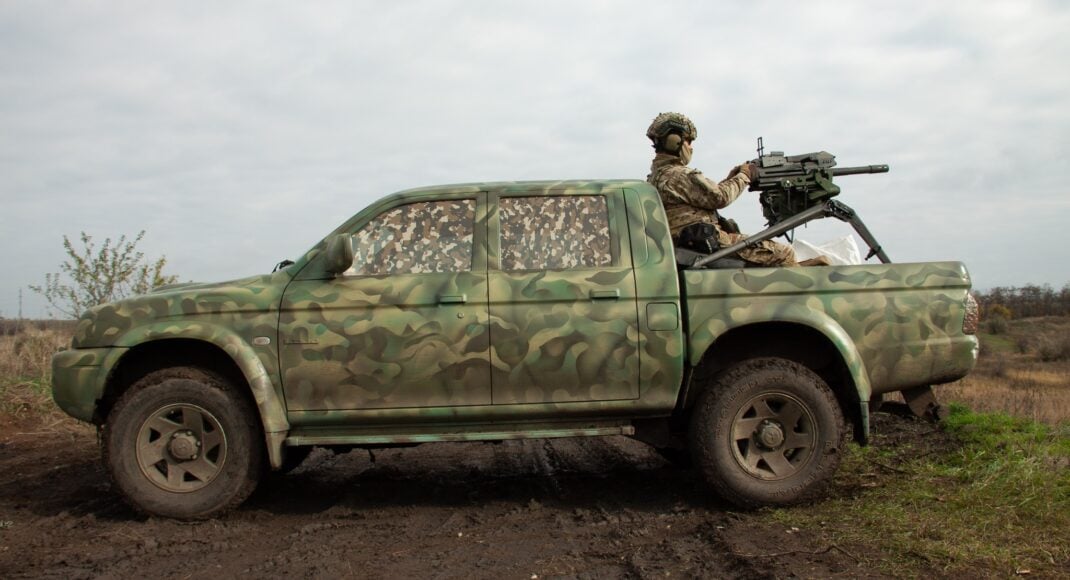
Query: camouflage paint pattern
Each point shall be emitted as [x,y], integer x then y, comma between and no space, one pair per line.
[563,320]
[77,381]
[544,361]
[662,350]
[386,342]
[405,342]
[896,325]
[555,340]
[666,123]
[227,315]
[400,339]
[441,350]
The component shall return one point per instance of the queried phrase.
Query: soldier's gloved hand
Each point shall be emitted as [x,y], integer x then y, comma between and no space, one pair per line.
[751,170]
[748,169]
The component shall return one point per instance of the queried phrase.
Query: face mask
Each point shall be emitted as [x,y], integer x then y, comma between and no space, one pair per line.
[685,152]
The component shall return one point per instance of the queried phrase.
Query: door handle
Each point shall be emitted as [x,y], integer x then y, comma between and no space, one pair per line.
[613,294]
[453,299]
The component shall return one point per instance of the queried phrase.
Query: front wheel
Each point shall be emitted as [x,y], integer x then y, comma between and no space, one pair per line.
[182,443]
[768,431]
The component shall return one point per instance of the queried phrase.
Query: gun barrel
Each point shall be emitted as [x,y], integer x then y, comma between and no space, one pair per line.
[859,170]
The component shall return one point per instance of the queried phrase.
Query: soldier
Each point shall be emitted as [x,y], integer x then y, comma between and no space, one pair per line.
[691,199]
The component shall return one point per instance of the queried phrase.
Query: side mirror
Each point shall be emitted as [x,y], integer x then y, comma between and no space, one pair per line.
[339,253]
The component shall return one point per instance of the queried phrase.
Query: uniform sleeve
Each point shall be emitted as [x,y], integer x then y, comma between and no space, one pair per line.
[706,194]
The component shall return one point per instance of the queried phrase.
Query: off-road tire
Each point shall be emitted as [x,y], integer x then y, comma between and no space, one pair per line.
[204,435]
[767,432]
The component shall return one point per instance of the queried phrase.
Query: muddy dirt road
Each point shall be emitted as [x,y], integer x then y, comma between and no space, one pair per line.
[587,508]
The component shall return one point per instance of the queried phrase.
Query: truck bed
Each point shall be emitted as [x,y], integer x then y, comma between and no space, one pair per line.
[898,326]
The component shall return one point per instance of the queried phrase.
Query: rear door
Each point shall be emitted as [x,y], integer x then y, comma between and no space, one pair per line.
[563,319]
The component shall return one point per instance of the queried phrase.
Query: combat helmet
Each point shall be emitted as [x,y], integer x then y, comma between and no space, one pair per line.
[667,125]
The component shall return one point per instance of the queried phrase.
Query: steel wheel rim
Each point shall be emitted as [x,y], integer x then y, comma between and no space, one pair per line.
[181,448]
[773,436]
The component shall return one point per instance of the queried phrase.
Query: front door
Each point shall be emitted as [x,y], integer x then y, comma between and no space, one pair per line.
[405,326]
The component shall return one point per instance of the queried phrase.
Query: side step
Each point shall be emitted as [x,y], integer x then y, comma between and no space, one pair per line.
[365,436]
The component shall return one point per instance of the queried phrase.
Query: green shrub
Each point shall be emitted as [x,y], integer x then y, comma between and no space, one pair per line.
[998,311]
[997,325]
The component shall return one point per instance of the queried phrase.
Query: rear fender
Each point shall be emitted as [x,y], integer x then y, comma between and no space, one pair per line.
[704,336]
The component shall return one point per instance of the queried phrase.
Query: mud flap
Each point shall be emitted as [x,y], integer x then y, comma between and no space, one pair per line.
[274,440]
[922,403]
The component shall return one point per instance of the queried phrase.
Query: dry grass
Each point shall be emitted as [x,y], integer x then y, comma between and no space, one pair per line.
[29,353]
[1024,371]
[25,371]
[1034,394]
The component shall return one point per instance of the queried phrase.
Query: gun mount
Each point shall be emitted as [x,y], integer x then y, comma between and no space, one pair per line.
[796,189]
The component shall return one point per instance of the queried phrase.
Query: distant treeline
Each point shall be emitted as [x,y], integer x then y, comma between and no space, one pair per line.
[1026,301]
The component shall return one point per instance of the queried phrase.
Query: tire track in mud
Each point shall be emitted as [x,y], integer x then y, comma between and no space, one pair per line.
[590,508]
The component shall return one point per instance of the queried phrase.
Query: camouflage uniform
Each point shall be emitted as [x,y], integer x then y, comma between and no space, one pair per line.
[690,197]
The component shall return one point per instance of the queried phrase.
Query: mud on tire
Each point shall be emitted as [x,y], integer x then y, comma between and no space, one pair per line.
[183,443]
[767,431]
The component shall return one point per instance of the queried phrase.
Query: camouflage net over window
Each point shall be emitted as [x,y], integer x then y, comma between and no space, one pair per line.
[547,233]
[417,238]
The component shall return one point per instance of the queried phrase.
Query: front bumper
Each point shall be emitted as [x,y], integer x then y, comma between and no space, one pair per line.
[79,377]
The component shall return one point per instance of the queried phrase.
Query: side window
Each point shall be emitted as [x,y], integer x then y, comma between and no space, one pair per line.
[418,238]
[549,233]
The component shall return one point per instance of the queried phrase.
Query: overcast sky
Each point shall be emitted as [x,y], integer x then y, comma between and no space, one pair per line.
[238,134]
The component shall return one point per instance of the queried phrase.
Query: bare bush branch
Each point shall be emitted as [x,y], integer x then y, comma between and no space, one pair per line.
[93,275]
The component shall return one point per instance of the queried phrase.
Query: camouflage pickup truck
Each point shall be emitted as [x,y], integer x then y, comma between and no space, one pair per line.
[503,311]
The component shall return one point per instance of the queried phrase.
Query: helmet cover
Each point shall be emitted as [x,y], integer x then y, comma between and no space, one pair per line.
[666,124]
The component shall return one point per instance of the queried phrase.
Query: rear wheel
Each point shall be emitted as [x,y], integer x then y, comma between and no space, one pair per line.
[182,443]
[768,431]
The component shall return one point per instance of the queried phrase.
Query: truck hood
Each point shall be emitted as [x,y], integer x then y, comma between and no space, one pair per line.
[105,325]
[257,280]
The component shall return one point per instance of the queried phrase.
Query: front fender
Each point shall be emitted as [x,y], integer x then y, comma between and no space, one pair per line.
[245,356]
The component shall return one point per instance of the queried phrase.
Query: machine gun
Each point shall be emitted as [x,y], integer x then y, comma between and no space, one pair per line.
[789,185]
[796,189]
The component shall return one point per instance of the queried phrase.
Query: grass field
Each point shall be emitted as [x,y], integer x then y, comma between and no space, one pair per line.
[25,367]
[992,501]
[1023,371]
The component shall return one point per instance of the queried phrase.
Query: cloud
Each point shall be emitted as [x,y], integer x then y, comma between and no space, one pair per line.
[238,134]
